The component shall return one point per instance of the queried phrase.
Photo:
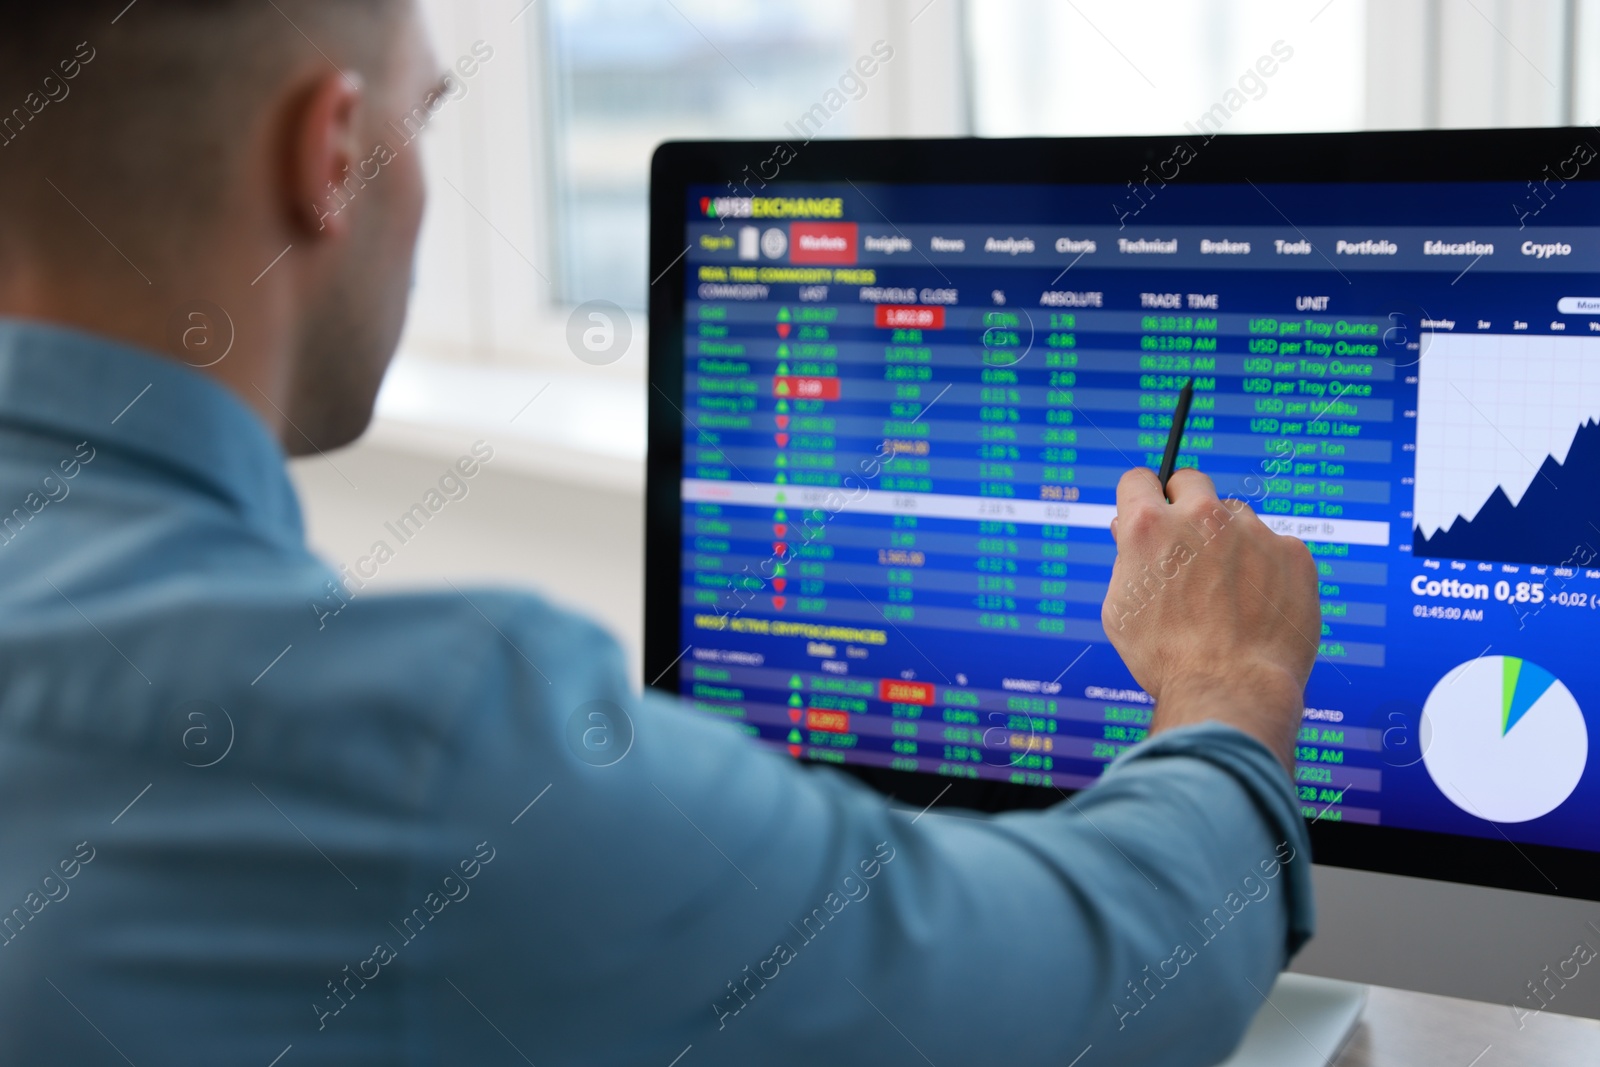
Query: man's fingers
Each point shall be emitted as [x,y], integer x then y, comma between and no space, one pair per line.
[1139,488]
[1189,486]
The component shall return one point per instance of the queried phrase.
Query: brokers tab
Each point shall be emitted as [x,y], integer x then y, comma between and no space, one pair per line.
[1224,248]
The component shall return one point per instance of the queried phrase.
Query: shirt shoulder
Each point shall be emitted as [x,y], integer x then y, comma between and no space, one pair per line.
[431,674]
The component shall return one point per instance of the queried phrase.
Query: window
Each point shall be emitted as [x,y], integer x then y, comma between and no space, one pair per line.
[539,172]
[1048,67]
[628,74]
[1474,63]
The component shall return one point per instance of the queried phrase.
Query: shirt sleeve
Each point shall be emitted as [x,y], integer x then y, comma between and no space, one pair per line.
[678,885]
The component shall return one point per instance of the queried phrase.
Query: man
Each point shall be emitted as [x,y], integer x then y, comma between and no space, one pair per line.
[238,829]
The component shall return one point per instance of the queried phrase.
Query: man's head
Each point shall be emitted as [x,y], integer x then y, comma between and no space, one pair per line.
[251,158]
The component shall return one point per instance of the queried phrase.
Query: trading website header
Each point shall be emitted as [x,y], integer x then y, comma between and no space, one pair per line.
[1213,247]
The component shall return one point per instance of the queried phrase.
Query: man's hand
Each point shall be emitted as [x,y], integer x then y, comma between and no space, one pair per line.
[1215,615]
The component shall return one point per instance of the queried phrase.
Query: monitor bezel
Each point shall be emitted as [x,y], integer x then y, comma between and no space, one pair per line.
[1386,156]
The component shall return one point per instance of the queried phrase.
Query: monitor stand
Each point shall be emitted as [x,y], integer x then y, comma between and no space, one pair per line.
[1305,1023]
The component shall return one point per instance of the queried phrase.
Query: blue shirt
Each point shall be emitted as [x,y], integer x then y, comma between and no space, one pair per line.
[249,810]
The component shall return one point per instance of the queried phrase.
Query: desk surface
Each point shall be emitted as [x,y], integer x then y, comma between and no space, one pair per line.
[1401,1029]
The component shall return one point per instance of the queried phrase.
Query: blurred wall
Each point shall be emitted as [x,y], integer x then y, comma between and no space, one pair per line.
[580,545]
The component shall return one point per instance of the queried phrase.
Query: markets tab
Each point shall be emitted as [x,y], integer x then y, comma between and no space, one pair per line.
[831,244]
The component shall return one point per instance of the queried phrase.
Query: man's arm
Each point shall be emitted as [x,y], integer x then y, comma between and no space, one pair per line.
[1215,615]
[701,892]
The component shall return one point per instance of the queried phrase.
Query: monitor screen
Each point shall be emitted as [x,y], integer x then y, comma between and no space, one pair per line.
[904,406]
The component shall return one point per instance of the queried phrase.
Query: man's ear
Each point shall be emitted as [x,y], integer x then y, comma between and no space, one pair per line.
[323,151]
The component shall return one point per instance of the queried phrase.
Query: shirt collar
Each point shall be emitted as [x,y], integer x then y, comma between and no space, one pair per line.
[64,382]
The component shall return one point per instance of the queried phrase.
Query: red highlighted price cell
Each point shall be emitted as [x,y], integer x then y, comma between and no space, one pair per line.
[833,722]
[891,691]
[908,317]
[806,388]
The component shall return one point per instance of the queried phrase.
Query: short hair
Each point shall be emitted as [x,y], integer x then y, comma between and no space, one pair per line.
[142,102]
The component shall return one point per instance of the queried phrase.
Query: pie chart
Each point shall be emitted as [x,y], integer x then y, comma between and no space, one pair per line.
[1504,739]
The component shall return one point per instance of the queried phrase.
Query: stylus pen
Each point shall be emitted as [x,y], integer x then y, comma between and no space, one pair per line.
[1180,418]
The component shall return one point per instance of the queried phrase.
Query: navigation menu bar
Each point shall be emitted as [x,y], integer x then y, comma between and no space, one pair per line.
[1321,248]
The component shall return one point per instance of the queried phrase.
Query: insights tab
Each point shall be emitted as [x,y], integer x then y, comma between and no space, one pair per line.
[885,244]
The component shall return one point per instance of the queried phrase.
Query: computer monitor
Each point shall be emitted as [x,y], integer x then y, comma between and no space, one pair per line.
[893,386]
